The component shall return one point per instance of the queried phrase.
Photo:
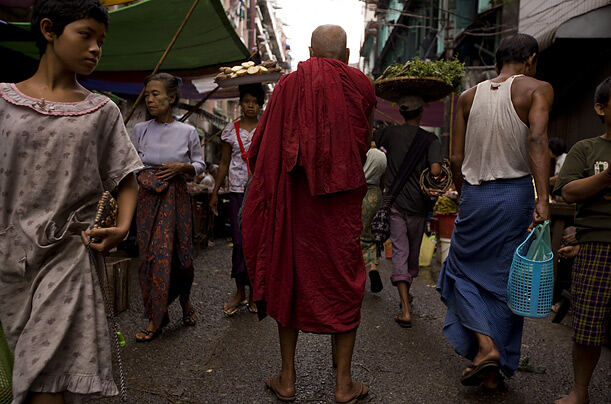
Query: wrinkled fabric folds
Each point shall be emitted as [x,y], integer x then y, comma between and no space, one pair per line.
[493,220]
[301,218]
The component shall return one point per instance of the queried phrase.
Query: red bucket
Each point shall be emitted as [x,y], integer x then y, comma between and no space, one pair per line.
[446,225]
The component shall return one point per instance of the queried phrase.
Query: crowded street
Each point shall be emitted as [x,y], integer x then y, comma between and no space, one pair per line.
[321,201]
[223,359]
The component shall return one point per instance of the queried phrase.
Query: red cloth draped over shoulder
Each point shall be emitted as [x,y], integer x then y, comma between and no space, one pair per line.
[301,217]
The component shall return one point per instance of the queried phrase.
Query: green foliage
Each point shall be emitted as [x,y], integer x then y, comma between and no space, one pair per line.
[450,71]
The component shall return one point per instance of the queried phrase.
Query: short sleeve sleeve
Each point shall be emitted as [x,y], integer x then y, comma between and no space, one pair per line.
[574,168]
[226,134]
[434,155]
[195,152]
[117,156]
[136,135]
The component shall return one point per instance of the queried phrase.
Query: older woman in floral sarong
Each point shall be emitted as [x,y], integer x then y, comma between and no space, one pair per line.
[170,150]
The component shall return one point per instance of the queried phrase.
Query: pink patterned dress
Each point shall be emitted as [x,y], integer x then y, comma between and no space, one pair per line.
[56,159]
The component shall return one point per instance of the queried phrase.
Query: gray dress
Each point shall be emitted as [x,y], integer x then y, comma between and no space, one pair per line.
[56,159]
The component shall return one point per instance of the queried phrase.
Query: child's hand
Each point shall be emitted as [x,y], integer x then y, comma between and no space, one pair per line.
[107,238]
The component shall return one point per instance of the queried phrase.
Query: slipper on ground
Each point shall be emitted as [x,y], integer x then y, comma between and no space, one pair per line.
[272,384]
[478,373]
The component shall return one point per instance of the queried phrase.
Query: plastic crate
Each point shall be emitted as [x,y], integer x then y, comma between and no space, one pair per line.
[530,288]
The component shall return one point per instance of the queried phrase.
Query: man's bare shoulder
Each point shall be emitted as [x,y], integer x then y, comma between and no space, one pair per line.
[533,84]
[467,96]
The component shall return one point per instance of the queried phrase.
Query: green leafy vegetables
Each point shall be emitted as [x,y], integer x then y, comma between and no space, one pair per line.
[450,71]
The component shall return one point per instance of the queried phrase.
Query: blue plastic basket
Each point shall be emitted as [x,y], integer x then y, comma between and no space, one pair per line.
[530,288]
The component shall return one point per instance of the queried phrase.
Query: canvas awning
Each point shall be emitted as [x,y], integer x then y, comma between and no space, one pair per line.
[139,33]
[545,20]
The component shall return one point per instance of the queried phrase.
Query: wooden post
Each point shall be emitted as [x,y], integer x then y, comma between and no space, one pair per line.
[165,54]
[451,121]
[199,104]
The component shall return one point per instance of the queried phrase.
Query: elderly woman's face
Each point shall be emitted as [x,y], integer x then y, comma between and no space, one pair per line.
[156,97]
[249,106]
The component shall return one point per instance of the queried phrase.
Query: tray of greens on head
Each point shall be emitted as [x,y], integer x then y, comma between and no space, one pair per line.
[248,73]
[430,80]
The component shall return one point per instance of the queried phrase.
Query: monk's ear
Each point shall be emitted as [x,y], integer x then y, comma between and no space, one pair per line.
[347,56]
[311,52]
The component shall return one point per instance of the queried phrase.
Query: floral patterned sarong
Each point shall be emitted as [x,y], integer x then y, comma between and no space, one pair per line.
[165,242]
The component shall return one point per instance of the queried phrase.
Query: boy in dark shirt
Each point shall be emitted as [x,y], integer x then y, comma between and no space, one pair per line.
[585,178]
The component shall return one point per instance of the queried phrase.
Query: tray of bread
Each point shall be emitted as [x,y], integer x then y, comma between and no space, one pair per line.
[248,73]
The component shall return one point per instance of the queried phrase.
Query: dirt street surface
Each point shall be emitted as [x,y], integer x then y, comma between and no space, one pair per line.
[225,360]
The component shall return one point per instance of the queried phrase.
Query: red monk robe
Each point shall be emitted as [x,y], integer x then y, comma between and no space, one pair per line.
[302,214]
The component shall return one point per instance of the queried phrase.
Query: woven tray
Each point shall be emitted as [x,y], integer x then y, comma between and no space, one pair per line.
[250,79]
[429,88]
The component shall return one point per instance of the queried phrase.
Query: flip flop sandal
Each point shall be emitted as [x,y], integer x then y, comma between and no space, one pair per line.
[363,391]
[253,308]
[187,320]
[376,281]
[153,334]
[150,335]
[272,384]
[403,323]
[232,310]
[478,373]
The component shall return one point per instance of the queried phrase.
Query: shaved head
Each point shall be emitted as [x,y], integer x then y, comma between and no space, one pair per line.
[329,41]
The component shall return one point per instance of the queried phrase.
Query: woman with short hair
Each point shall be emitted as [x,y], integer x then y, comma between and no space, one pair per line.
[171,152]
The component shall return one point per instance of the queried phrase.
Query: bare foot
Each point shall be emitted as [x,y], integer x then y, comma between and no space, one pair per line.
[351,391]
[147,336]
[406,313]
[485,354]
[234,304]
[189,316]
[283,387]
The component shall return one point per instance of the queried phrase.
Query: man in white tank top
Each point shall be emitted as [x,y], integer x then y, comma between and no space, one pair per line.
[500,140]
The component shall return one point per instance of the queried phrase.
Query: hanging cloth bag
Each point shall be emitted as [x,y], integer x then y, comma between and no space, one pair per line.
[380,225]
[242,149]
[530,287]
[6,370]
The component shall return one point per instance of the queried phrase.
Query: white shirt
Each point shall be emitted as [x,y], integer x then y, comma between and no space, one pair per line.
[238,170]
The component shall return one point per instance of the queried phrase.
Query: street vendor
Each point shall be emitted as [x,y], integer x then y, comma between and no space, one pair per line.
[171,152]
[236,139]
[409,211]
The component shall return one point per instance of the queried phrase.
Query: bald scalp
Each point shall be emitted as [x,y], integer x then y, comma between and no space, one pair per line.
[329,41]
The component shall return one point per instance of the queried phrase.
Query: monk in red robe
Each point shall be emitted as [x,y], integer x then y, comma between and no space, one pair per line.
[302,214]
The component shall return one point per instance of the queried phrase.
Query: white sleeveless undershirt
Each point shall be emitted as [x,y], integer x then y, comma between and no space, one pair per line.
[496,138]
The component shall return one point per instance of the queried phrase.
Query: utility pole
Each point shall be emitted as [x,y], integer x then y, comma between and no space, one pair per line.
[446,132]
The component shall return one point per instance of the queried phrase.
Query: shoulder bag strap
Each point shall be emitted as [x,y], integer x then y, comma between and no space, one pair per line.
[416,152]
[242,149]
